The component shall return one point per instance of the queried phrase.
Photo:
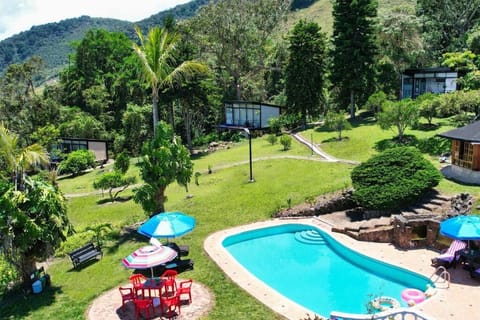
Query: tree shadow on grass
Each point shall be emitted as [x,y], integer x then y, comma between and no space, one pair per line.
[17,304]
[433,146]
[335,139]
[427,126]
[116,200]
[72,176]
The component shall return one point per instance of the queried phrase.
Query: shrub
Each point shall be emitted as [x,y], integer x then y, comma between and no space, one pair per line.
[77,161]
[115,182]
[272,139]
[393,179]
[8,275]
[122,163]
[337,121]
[275,125]
[286,142]
[75,241]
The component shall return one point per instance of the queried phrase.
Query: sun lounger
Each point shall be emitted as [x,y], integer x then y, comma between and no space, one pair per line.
[450,256]
[181,250]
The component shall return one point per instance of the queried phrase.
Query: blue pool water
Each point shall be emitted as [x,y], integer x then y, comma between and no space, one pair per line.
[311,268]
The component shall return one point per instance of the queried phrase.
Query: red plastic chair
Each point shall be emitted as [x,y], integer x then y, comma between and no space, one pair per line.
[169,288]
[170,306]
[143,305]
[184,287]
[169,274]
[127,295]
[137,280]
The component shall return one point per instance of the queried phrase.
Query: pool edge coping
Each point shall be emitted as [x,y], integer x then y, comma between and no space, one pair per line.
[246,280]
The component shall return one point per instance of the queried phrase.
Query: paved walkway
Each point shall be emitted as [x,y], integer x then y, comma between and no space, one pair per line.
[108,306]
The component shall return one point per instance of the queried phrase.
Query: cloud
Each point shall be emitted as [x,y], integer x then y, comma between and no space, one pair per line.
[21,15]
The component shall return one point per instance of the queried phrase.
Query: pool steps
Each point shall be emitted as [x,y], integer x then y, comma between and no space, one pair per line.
[310,237]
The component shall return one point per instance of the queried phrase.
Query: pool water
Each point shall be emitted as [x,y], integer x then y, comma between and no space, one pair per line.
[308,266]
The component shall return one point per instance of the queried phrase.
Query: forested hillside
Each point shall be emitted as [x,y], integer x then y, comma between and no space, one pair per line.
[53,41]
[312,58]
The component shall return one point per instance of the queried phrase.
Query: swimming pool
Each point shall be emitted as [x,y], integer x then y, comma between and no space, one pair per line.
[311,268]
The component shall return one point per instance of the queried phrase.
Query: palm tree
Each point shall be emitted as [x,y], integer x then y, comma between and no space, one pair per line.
[158,54]
[16,159]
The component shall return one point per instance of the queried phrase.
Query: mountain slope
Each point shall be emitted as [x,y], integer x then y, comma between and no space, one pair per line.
[53,41]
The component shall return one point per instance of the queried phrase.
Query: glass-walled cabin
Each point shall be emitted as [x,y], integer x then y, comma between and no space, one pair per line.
[249,114]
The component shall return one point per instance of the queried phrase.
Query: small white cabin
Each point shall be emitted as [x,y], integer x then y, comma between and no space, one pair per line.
[416,82]
[97,146]
[247,114]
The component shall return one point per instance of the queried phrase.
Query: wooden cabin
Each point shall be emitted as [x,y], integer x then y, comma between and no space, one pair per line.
[465,155]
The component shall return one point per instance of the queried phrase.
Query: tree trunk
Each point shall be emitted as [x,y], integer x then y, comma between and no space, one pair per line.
[352,105]
[172,115]
[159,200]
[188,131]
[304,119]
[237,88]
[27,266]
[155,110]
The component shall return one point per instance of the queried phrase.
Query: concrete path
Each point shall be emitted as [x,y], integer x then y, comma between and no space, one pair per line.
[319,151]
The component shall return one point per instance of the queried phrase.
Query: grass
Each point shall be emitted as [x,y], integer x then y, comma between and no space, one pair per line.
[277,182]
[359,143]
[72,291]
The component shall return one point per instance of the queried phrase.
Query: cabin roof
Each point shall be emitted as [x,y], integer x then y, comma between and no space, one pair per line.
[470,133]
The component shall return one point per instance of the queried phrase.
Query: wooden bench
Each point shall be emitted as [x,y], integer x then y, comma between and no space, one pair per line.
[84,254]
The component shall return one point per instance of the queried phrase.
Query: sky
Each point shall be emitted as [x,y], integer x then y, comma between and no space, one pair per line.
[20,15]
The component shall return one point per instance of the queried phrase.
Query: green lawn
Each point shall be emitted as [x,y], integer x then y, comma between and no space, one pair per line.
[359,143]
[277,181]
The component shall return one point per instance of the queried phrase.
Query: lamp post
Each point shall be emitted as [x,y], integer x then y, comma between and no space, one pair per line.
[249,152]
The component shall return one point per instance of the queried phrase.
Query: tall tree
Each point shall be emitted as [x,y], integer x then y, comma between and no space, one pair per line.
[33,223]
[400,46]
[446,24]
[17,160]
[305,72]
[236,33]
[101,77]
[198,99]
[164,160]
[158,53]
[19,103]
[354,50]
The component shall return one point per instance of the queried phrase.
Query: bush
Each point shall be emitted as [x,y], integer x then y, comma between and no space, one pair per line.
[272,139]
[75,241]
[275,125]
[286,142]
[77,161]
[122,163]
[8,275]
[393,179]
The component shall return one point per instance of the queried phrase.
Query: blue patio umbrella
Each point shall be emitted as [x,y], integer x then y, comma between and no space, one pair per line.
[464,227]
[167,225]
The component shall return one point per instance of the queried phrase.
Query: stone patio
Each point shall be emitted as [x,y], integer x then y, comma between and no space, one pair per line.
[108,306]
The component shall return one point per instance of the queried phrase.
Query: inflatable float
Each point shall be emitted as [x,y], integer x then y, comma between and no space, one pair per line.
[413,296]
[385,303]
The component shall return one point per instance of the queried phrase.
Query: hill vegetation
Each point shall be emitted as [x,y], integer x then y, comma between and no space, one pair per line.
[54,42]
